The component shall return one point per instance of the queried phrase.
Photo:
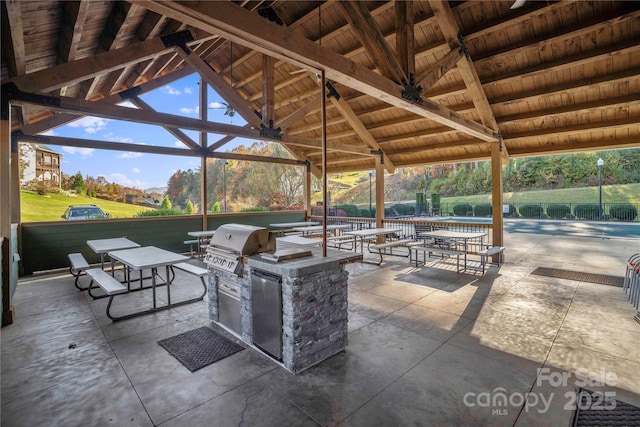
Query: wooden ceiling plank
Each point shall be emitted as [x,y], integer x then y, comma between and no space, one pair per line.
[581,128]
[332,146]
[13,37]
[184,138]
[572,108]
[233,22]
[74,15]
[372,39]
[405,39]
[569,147]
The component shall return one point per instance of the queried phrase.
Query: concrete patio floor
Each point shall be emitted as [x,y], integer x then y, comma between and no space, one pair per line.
[426,347]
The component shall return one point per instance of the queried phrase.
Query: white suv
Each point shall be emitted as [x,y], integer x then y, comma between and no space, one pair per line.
[78,212]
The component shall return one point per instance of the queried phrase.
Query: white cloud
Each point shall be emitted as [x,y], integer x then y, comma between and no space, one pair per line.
[217,104]
[129,155]
[179,144]
[84,152]
[112,137]
[122,179]
[135,170]
[90,124]
[171,91]
[188,90]
[50,133]
[185,110]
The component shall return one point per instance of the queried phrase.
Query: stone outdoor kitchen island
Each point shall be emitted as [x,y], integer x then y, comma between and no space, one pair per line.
[313,305]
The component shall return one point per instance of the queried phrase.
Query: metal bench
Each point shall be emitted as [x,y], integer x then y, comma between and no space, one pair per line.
[191,243]
[338,241]
[196,271]
[434,250]
[486,253]
[78,265]
[381,248]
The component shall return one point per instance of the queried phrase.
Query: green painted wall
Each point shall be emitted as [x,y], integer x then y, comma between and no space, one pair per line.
[45,245]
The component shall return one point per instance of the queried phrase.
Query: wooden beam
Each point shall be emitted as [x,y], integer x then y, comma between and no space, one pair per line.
[372,39]
[331,146]
[571,147]
[74,72]
[285,122]
[184,138]
[74,15]
[361,130]
[268,90]
[222,88]
[13,37]
[440,68]
[109,111]
[64,118]
[405,50]
[235,23]
[149,149]
[451,31]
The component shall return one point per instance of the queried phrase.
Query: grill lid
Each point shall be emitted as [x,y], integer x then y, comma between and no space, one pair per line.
[242,239]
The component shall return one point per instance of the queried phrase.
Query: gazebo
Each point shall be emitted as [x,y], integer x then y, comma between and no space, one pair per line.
[342,85]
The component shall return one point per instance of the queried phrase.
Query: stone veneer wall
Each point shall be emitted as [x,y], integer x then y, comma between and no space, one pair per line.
[315,317]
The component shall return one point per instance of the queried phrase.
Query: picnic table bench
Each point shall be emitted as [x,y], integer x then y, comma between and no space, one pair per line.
[78,265]
[381,248]
[428,250]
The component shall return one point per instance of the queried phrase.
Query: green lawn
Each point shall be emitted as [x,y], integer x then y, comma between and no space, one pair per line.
[625,193]
[36,208]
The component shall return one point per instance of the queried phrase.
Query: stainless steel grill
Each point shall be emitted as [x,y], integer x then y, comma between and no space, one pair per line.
[232,242]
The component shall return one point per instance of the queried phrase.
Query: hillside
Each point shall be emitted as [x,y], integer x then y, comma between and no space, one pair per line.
[50,207]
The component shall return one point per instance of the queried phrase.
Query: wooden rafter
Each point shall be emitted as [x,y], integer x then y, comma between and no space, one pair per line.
[440,68]
[13,37]
[370,36]
[64,118]
[451,32]
[361,130]
[222,88]
[235,23]
[285,122]
[74,15]
[74,72]
[626,123]
[268,90]
[404,37]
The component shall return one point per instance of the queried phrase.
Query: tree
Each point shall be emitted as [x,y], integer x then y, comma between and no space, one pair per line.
[77,184]
[189,208]
[166,203]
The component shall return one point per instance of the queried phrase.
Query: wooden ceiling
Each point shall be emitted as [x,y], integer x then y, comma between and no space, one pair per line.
[417,82]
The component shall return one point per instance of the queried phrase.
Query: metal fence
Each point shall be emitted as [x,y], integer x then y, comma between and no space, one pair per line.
[625,212]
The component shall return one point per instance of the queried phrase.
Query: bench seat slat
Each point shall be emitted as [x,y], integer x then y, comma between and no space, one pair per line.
[108,284]
[192,269]
[78,262]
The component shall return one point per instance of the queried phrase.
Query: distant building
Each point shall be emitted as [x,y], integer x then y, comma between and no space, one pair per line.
[40,163]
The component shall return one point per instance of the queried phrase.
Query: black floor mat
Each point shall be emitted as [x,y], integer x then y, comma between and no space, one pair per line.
[596,409]
[199,348]
[580,276]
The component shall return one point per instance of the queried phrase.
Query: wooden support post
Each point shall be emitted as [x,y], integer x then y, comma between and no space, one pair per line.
[5,218]
[496,196]
[307,191]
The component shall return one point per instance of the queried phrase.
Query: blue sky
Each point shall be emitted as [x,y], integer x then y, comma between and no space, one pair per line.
[137,169]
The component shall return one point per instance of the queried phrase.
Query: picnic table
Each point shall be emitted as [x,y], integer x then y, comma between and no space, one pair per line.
[368,234]
[456,236]
[103,246]
[202,237]
[306,231]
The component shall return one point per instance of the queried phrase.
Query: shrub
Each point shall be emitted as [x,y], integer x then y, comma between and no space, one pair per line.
[462,209]
[350,210]
[158,212]
[587,211]
[623,212]
[558,211]
[364,213]
[255,209]
[531,211]
[482,209]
